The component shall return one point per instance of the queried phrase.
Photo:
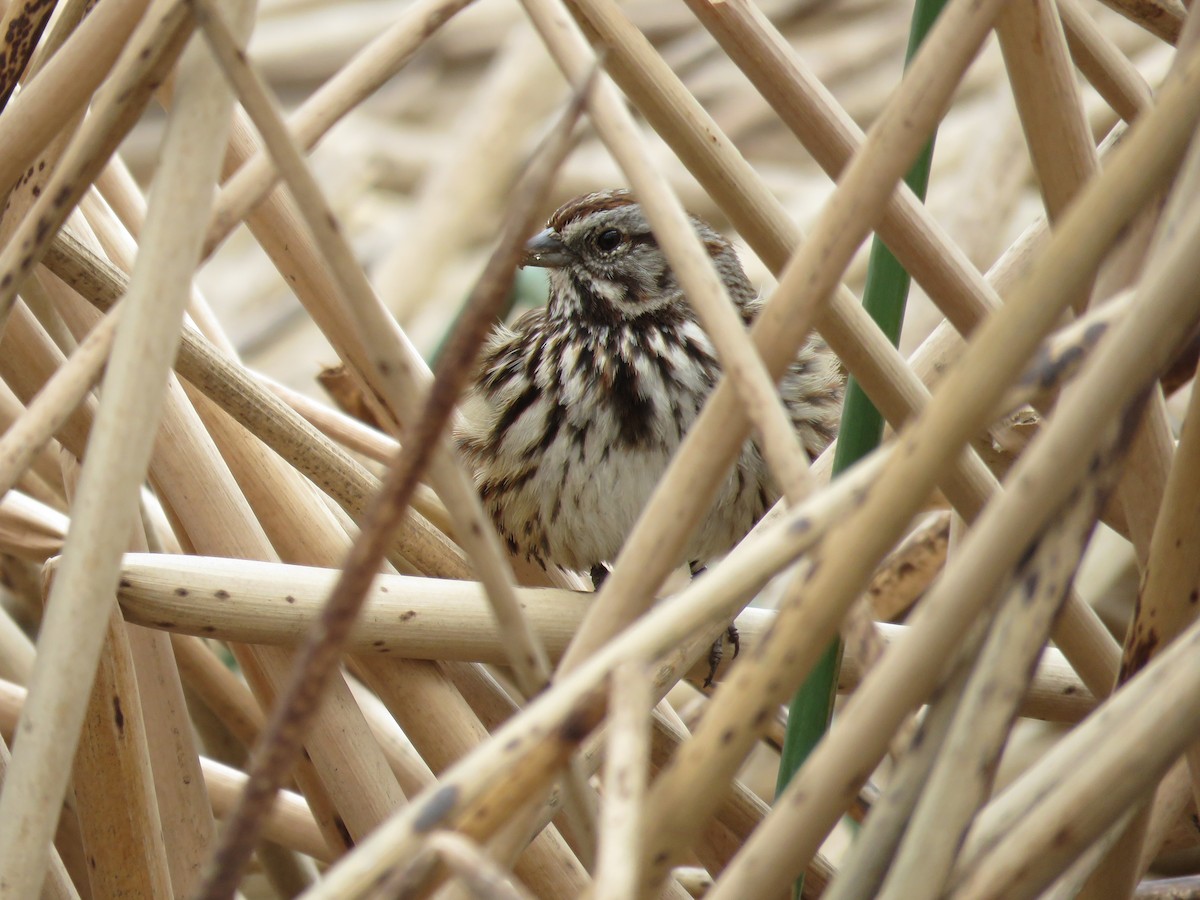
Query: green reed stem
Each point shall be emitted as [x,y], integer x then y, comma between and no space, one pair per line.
[861,431]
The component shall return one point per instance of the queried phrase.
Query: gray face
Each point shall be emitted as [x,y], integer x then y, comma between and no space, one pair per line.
[605,263]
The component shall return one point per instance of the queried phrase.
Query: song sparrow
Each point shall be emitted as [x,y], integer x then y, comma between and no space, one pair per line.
[577,408]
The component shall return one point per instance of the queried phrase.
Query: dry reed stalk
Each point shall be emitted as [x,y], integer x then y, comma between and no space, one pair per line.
[1044,83]
[1090,796]
[416,618]
[114,784]
[371,67]
[50,409]
[825,129]
[627,755]
[1110,72]
[228,698]
[58,884]
[867,862]
[151,49]
[1163,612]
[35,116]
[22,28]
[961,778]
[31,530]
[1162,18]
[240,395]
[455,200]
[291,823]
[281,742]
[1084,232]
[73,627]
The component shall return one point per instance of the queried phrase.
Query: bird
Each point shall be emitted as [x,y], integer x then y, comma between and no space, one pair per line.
[575,410]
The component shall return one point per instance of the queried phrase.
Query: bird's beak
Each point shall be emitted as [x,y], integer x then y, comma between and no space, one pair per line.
[546,250]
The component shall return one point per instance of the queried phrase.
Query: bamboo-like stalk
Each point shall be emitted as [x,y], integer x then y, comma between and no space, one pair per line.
[29,122]
[290,823]
[1109,71]
[1145,485]
[514,100]
[626,758]
[114,785]
[71,634]
[377,62]
[998,339]
[1089,796]
[1048,102]
[828,132]
[499,743]
[1162,18]
[320,653]
[151,49]
[241,395]
[419,619]
[22,28]
[988,705]
[55,403]
[58,884]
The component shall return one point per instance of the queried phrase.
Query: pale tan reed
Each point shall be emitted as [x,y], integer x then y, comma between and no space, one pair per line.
[437,762]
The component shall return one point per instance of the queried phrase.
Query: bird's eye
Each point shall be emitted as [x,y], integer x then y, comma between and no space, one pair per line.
[608,240]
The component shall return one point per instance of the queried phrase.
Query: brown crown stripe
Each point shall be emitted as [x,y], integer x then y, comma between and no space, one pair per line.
[588,204]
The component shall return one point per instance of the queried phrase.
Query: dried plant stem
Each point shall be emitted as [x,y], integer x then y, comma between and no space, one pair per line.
[827,131]
[1108,69]
[1164,608]
[376,63]
[26,437]
[1090,795]
[416,618]
[280,744]
[1086,230]
[151,49]
[460,191]
[73,628]
[290,823]
[22,28]
[1162,18]
[35,116]
[961,779]
[58,884]
[242,396]
[1049,104]
[625,778]
[114,784]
